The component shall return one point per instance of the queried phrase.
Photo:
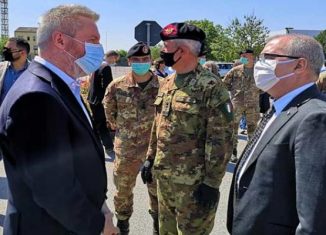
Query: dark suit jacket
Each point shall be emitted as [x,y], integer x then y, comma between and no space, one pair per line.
[283,188]
[97,86]
[54,162]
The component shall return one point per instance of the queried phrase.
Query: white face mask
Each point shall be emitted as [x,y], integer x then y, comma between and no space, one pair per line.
[264,73]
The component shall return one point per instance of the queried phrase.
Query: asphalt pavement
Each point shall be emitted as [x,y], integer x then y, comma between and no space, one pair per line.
[141,222]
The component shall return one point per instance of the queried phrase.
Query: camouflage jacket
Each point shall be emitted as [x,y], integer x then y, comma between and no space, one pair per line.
[243,89]
[192,130]
[129,110]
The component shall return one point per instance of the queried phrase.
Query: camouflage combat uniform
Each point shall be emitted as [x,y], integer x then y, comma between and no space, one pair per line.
[130,111]
[245,97]
[191,134]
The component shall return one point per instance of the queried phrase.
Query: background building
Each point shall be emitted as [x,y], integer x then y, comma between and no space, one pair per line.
[308,32]
[29,34]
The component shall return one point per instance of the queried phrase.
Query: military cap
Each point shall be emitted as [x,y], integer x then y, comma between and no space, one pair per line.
[182,31]
[246,51]
[139,49]
[111,53]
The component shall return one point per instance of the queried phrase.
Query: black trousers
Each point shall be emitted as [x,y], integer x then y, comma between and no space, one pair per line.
[100,125]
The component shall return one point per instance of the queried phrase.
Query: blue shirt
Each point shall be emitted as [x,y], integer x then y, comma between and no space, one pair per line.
[282,102]
[73,84]
[10,78]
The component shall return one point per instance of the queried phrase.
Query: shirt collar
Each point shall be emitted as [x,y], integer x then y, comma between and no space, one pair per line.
[282,102]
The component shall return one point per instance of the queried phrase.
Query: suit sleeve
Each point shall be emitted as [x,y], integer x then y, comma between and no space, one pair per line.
[310,163]
[219,134]
[110,106]
[38,127]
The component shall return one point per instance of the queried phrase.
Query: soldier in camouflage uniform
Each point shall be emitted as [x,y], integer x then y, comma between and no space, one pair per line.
[244,95]
[129,109]
[191,134]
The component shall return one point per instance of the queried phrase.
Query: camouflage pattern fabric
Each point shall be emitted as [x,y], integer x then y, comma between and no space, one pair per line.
[244,96]
[191,135]
[130,112]
[181,214]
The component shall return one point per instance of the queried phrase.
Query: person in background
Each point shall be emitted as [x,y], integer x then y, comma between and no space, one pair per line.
[244,95]
[129,110]
[112,57]
[99,81]
[321,82]
[15,53]
[212,67]
[191,136]
[278,186]
[160,68]
[53,158]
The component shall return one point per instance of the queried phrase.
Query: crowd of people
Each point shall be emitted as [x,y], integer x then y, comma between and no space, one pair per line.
[177,127]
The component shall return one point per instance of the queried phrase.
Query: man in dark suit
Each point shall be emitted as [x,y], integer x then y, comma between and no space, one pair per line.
[54,162]
[99,81]
[279,184]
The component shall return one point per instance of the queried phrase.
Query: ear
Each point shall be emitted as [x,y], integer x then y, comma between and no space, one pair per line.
[301,66]
[129,62]
[58,39]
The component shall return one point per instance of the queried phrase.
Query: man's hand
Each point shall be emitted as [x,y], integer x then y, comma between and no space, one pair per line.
[207,196]
[146,171]
[109,228]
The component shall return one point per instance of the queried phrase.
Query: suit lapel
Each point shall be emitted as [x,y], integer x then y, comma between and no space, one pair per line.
[289,111]
[66,96]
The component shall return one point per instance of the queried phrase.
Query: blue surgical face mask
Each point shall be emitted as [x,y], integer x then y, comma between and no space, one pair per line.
[202,61]
[92,59]
[243,60]
[140,68]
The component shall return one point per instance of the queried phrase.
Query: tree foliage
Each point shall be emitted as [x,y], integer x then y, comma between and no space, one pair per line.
[321,37]
[251,34]
[224,44]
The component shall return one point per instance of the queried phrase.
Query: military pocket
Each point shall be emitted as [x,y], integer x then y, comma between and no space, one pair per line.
[186,104]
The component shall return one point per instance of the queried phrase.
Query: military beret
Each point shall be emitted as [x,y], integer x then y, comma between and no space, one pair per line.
[246,51]
[182,31]
[111,53]
[139,49]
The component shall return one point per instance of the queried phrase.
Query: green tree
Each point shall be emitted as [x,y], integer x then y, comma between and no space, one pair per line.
[212,33]
[3,41]
[321,37]
[249,34]
[123,57]
[155,51]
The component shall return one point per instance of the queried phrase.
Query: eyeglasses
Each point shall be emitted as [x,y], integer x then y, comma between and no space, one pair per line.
[270,56]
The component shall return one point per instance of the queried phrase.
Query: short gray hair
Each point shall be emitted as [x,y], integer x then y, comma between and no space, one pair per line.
[63,18]
[305,47]
[194,46]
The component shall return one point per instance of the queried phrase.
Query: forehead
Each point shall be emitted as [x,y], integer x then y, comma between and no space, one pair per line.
[140,58]
[11,44]
[88,29]
[275,46]
[169,43]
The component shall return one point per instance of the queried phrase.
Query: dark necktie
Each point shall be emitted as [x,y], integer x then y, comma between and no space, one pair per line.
[252,142]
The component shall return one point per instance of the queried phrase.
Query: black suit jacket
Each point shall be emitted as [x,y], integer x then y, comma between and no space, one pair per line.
[102,78]
[283,188]
[53,161]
